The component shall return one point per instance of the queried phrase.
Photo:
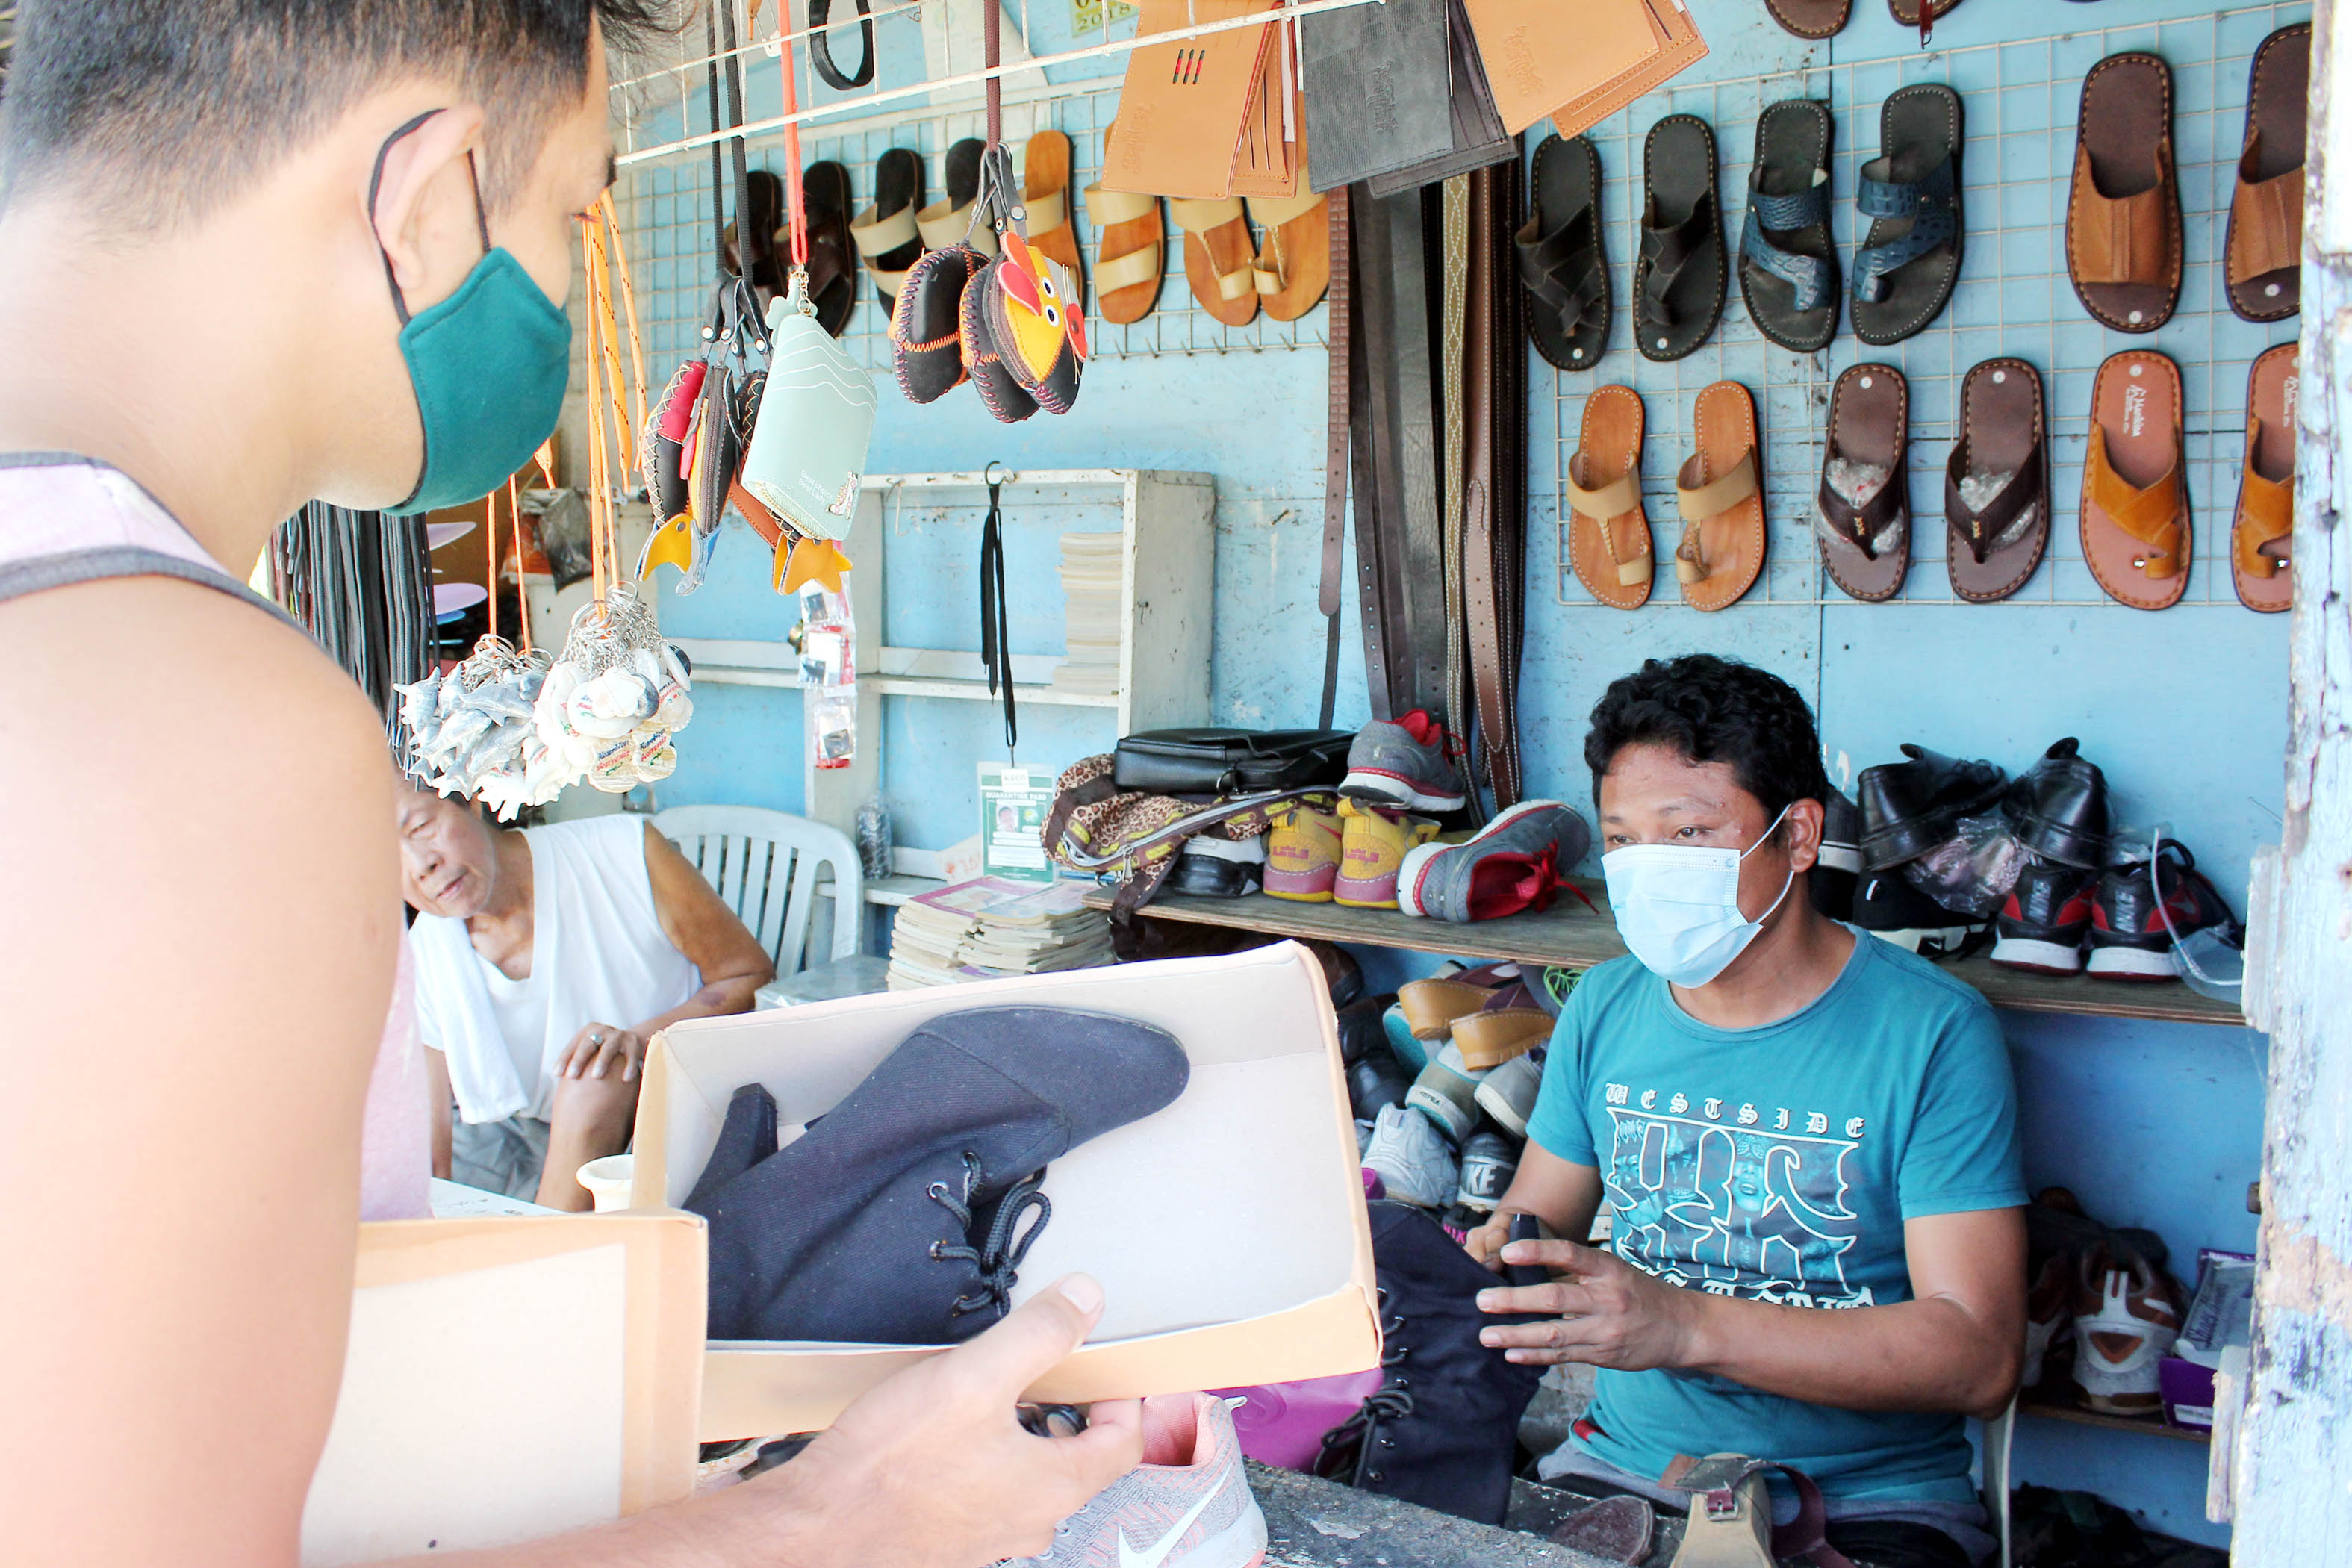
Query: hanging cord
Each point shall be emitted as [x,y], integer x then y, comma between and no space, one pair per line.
[514,528]
[995,634]
[491,555]
[634,416]
[795,199]
[992,48]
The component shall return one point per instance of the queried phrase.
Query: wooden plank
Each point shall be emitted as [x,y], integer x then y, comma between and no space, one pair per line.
[2082,1418]
[1574,936]
[2294,1442]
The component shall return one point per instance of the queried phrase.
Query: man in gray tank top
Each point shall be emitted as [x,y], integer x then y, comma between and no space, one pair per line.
[252,253]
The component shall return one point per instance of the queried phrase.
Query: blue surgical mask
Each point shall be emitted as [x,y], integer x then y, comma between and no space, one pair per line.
[1678,906]
[487,365]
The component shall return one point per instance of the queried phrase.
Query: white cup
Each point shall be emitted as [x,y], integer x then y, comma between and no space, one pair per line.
[608,1180]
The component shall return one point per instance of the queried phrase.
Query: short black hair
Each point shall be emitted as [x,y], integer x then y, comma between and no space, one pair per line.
[163,109]
[1712,709]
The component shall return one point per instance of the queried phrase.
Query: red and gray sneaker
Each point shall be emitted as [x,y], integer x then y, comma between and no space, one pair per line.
[1513,863]
[2048,914]
[1405,762]
[2128,939]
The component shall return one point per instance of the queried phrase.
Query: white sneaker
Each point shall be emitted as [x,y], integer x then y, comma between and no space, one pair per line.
[1447,1093]
[1412,1159]
[2126,1320]
[1508,1095]
[1188,1505]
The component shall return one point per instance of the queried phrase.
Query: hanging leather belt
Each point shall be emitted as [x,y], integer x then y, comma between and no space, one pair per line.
[1336,442]
[1494,506]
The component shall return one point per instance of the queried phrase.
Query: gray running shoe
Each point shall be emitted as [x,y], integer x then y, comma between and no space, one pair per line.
[1513,863]
[1489,1163]
[1403,763]
[1412,1160]
[1447,1093]
[1508,1095]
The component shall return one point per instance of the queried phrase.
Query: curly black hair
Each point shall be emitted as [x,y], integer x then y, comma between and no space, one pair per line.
[1714,709]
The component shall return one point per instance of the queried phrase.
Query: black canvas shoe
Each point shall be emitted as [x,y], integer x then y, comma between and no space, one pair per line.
[2048,914]
[1886,904]
[2128,940]
[1909,807]
[1374,1083]
[901,1216]
[1840,866]
[2059,808]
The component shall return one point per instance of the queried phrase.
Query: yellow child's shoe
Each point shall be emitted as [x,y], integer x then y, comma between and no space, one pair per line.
[1373,845]
[1302,855]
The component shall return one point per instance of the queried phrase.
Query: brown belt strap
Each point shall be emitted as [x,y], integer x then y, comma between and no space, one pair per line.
[1335,455]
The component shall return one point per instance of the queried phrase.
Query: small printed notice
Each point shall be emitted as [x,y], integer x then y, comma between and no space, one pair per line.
[1013,804]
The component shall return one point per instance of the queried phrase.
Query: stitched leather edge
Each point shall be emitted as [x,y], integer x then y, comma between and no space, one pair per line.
[2172,179]
[1844,14]
[2040,533]
[1616,593]
[1901,476]
[1960,205]
[1759,535]
[2254,78]
[1642,261]
[2188,549]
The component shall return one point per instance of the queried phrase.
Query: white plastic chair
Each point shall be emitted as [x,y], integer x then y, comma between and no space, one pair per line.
[1999,1433]
[765,866]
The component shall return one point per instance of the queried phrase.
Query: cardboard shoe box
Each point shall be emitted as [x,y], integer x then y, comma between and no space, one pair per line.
[1227,1230]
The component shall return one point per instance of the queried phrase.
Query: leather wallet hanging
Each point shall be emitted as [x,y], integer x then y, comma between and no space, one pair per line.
[1618,50]
[1190,110]
[1479,139]
[1380,86]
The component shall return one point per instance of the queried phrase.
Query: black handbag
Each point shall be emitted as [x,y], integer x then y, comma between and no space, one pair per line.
[1230,762]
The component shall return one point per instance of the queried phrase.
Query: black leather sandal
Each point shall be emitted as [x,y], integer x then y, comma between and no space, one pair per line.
[1561,259]
[1680,277]
[1910,259]
[1788,264]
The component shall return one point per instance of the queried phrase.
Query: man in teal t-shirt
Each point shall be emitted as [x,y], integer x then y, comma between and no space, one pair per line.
[1808,1137]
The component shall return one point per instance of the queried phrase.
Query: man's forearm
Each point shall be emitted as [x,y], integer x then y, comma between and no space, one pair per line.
[729,994]
[715,1531]
[1928,1354]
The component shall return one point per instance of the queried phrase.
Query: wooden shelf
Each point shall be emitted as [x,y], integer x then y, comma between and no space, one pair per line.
[1573,937]
[2082,1418]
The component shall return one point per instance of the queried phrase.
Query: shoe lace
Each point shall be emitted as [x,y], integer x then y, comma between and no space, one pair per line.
[998,1257]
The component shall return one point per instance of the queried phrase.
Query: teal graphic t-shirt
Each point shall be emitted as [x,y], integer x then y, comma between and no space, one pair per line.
[1779,1164]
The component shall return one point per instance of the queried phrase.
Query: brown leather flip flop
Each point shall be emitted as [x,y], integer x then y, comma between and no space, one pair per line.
[2262,259]
[2136,530]
[1995,486]
[1294,252]
[1608,533]
[2261,541]
[2122,217]
[1045,200]
[1810,18]
[1218,256]
[1862,511]
[1720,493]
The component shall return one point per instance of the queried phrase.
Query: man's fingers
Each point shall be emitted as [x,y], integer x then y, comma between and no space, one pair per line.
[1111,1444]
[1566,1257]
[1035,1337]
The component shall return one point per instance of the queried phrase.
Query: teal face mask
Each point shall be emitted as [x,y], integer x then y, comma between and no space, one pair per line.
[488,366]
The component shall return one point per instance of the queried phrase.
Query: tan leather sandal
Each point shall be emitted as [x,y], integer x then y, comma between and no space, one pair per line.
[2135,528]
[2261,540]
[1218,256]
[2263,256]
[1609,540]
[1130,251]
[1721,494]
[2122,217]
[1045,200]
[1492,1036]
[1293,267]
[891,242]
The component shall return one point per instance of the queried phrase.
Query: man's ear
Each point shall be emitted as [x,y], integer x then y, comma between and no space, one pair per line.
[426,216]
[1802,829]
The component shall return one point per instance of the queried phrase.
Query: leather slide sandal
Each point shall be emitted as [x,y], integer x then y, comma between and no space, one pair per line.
[1045,201]
[2136,530]
[1910,259]
[2261,540]
[1862,511]
[1563,263]
[1608,532]
[1218,256]
[1294,252]
[1996,485]
[886,233]
[2122,217]
[1720,493]
[1788,264]
[948,221]
[1909,14]
[1129,248]
[2262,259]
[1680,274]
[832,271]
[1810,18]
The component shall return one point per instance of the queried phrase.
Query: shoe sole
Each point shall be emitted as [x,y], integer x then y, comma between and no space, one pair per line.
[1484,1205]
[2133,963]
[1448,1115]
[1301,887]
[1366,896]
[1387,789]
[1912,937]
[1506,1115]
[2036,956]
[1411,869]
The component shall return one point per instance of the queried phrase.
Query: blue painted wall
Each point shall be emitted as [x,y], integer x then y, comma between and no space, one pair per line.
[2151,1124]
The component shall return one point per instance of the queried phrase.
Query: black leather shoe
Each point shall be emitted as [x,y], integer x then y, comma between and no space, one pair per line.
[1886,904]
[2059,808]
[1362,1032]
[1375,1083]
[1908,808]
[1834,875]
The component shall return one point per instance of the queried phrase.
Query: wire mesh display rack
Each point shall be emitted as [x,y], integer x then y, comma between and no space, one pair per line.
[2019,101]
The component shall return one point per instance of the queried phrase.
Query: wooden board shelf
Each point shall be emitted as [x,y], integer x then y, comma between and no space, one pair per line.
[1574,936]
[2082,1418]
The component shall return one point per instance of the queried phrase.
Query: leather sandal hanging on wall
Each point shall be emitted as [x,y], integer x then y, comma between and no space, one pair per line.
[2262,259]
[2136,525]
[2122,215]
[1996,484]
[1608,543]
[1720,493]
[1862,510]
[2262,537]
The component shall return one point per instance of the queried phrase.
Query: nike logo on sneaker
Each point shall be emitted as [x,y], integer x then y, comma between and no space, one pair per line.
[1129,1557]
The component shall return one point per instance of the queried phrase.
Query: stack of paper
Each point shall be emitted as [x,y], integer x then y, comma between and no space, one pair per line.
[1092,564]
[992,927]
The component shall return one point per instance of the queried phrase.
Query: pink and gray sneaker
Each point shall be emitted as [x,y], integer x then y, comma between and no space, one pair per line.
[1188,1505]
[1405,762]
[1514,863]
